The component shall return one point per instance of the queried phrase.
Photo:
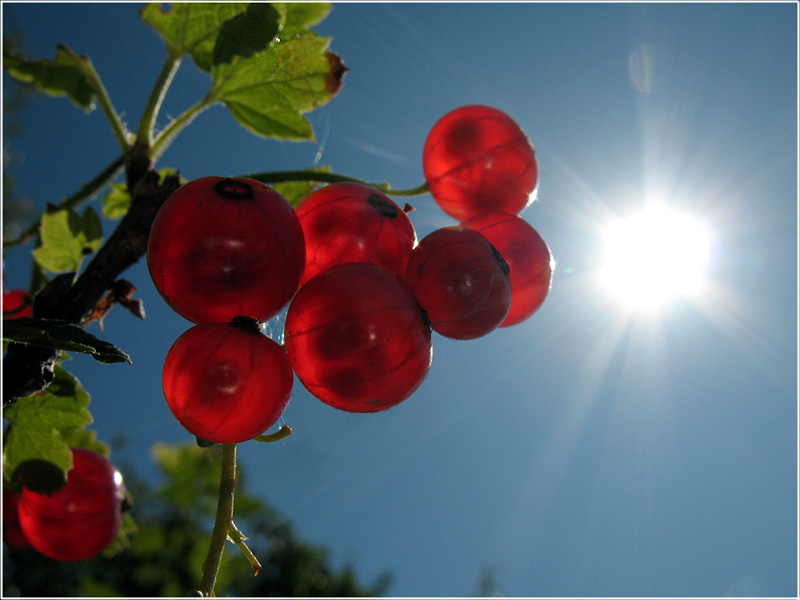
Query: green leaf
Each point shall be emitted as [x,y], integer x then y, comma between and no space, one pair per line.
[35,450]
[61,335]
[191,28]
[302,15]
[85,438]
[61,76]
[116,202]
[269,91]
[67,238]
[247,33]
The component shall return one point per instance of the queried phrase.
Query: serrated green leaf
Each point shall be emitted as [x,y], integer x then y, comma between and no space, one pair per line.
[85,438]
[269,91]
[116,202]
[61,76]
[37,423]
[192,27]
[67,238]
[302,15]
[61,335]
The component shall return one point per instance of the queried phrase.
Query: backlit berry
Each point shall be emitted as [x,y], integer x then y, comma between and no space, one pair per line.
[477,159]
[226,383]
[82,518]
[223,248]
[461,281]
[351,222]
[357,338]
[527,255]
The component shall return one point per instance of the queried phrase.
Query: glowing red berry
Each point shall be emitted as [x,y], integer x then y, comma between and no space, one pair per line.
[223,248]
[357,338]
[226,382]
[351,222]
[16,303]
[461,281]
[477,159]
[83,517]
[527,255]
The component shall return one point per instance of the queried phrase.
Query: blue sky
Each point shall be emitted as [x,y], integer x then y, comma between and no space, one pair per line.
[593,450]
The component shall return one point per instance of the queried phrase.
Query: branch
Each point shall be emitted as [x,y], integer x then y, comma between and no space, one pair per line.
[325,177]
[62,299]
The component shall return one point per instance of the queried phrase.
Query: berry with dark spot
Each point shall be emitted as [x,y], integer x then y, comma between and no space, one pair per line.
[528,257]
[223,248]
[351,222]
[461,281]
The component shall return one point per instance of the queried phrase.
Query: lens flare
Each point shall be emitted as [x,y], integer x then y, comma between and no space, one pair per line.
[654,256]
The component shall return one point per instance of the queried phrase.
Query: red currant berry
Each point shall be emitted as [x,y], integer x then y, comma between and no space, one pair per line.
[83,517]
[476,159]
[462,282]
[12,532]
[16,304]
[528,257]
[351,222]
[223,248]
[357,338]
[227,382]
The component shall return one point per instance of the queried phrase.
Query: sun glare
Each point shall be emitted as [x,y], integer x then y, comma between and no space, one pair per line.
[654,256]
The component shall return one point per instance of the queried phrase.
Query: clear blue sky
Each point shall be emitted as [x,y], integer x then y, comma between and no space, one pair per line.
[590,451]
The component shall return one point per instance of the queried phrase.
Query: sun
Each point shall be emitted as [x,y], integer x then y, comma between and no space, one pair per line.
[654,256]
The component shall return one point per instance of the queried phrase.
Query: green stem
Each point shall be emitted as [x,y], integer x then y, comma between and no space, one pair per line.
[324,177]
[103,100]
[224,518]
[144,134]
[164,139]
[282,433]
[238,538]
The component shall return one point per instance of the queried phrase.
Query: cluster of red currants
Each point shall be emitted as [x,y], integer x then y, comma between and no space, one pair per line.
[75,523]
[228,254]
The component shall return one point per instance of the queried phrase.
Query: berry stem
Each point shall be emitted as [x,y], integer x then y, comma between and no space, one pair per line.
[165,138]
[324,177]
[223,522]
[238,538]
[282,433]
